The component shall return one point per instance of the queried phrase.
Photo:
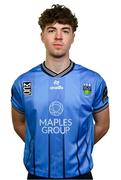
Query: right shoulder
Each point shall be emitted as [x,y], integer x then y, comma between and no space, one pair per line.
[28,75]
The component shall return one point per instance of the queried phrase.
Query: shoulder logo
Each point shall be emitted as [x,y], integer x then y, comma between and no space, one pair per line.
[105,94]
[87,88]
[27,88]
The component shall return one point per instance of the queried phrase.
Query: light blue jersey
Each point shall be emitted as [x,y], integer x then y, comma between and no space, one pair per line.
[59,112]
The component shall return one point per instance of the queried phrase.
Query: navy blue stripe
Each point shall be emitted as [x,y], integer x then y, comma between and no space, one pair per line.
[46,71]
[48,155]
[61,74]
[34,165]
[78,159]
[63,157]
[22,112]
[29,152]
[101,108]
[78,151]
[69,70]
[87,154]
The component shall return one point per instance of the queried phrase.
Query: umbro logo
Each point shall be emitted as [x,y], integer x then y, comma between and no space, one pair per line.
[27,88]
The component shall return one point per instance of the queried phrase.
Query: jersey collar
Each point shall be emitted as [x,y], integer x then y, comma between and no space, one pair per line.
[63,73]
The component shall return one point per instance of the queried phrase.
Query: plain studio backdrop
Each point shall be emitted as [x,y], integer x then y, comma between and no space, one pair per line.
[97,46]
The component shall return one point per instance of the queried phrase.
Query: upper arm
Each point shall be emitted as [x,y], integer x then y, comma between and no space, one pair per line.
[101,107]
[102,118]
[16,97]
[18,118]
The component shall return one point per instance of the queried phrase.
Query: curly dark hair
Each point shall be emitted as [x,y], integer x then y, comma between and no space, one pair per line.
[58,13]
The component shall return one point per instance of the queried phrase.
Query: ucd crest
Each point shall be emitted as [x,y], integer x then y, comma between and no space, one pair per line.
[87,89]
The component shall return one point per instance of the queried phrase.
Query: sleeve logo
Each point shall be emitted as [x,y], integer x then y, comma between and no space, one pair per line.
[105,94]
[27,88]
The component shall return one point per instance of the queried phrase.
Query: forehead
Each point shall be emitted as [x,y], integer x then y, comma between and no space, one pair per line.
[58,26]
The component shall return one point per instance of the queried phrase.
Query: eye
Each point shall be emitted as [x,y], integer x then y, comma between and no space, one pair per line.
[51,30]
[66,32]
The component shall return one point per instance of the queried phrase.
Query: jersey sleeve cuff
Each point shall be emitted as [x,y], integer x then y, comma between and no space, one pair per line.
[20,111]
[101,108]
[16,107]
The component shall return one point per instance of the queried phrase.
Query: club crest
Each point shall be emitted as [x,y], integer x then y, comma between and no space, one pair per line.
[87,88]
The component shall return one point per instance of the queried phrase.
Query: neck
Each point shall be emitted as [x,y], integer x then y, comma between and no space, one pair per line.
[57,65]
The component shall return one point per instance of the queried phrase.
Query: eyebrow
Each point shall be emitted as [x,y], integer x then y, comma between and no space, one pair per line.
[51,27]
[66,28]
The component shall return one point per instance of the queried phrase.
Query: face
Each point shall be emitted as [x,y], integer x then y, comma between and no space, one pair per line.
[57,39]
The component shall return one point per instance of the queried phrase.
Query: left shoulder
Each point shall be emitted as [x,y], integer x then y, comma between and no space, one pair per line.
[88,73]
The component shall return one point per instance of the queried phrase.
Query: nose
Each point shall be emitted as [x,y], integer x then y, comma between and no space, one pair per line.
[58,35]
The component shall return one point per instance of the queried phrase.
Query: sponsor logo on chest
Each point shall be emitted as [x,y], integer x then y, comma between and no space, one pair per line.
[56,85]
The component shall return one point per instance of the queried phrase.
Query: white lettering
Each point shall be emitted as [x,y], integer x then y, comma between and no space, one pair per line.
[56,87]
[55,126]
[55,130]
[43,122]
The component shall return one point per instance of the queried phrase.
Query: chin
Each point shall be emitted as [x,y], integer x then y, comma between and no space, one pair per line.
[58,55]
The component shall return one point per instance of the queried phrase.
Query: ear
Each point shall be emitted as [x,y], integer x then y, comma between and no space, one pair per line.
[73,37]
[42,36]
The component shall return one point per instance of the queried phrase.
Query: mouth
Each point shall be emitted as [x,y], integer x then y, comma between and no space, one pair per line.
[56,45]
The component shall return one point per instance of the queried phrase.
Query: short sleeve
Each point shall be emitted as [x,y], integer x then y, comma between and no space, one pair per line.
[16,98]
[101,100]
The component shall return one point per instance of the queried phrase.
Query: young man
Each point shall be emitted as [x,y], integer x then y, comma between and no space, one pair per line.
[59,108]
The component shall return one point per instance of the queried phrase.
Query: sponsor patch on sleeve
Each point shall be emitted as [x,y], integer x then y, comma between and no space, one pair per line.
[27,88]
[105,93]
